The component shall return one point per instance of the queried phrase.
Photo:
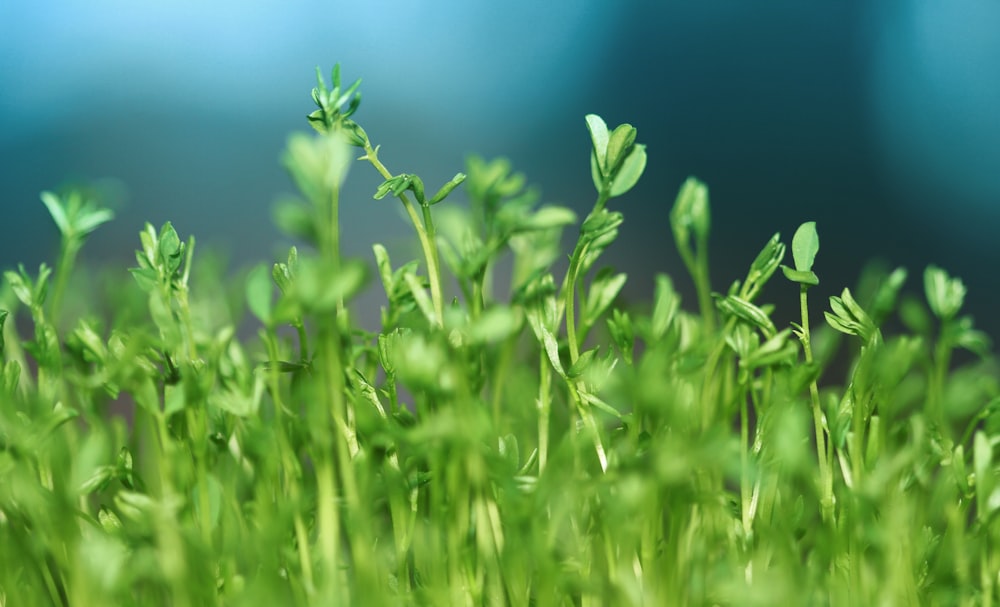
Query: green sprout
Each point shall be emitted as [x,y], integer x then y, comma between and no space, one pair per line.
[512,431]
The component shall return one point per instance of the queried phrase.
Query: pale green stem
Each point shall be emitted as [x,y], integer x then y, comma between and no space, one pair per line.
[424,233]
[822,441]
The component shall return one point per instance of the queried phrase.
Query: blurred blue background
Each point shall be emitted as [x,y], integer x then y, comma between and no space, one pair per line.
[877,120]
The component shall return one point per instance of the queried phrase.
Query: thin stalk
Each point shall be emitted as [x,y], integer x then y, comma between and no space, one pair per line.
[68,250]
[567,291]
[942,361]
[823,446]
[291,474]
[544,410]
[570,299]
[703,286]
[425,234]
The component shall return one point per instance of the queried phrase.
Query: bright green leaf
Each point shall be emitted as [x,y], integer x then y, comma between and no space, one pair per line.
[805,245]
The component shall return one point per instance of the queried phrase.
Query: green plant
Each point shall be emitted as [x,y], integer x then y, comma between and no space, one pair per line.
[542,445]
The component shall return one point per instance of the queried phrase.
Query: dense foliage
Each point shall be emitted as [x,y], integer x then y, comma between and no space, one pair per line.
[537,445]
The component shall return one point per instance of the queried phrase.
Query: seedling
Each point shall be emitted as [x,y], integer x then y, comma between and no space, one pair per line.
[542,445]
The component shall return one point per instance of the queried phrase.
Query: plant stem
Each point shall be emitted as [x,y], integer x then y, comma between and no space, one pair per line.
[425,234]
[822,442]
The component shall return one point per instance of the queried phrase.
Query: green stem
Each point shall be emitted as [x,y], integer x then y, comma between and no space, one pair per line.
[544,409]
[823,446]
[570,302]
[425,234]
[67,259]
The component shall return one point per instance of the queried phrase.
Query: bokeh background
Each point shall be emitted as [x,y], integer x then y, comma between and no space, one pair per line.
[878,120]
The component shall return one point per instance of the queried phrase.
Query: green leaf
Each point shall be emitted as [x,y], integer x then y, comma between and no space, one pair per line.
[296,220]
[945,294]
[384,266]
[748,312]
[690,211]
[805,245]
[20,285]
[807,278]
[666,303]
[146,278]
[619,146]
[422,298]
[545,218]
[170,248]
[55,207]
[318,164]
[848,317]
[887,295]
[764,266]
[447,189]
[3,321]
[320,285]
[551,347]
[399,184]
[776,350]
[982,456]
[600,223]
[599,138]
[259,293]
[283,274]
[603,290]
[494,325]
[578,368]
[622,333]
[630,171]
[90,218]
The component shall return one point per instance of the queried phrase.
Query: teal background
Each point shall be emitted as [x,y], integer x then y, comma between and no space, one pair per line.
[877,120]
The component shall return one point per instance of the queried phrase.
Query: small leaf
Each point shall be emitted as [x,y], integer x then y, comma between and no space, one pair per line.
[665,306]
[422,298]
[551,349]
[630,171]
[848,317]
[55,207]
[748,312]
[90,218]
[600,223]
[805,245]
[580,366]
[764,266]
[599,137]
[296,220]
[146,278]
[546,218]
[20,285]
[319,287]
[690,211]
[887,294]
[447,189]
[384,266]
[170,248]
[945,294]
[619,146]
[603,290]
[494,325]
[622,333]
[807,278]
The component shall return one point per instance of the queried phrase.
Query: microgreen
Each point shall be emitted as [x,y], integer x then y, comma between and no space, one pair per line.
[541,443]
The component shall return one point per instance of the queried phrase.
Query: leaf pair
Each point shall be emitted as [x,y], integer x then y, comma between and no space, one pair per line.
[404,181]
[616,160]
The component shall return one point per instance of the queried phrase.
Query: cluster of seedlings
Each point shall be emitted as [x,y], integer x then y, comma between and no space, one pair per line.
[545,445]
